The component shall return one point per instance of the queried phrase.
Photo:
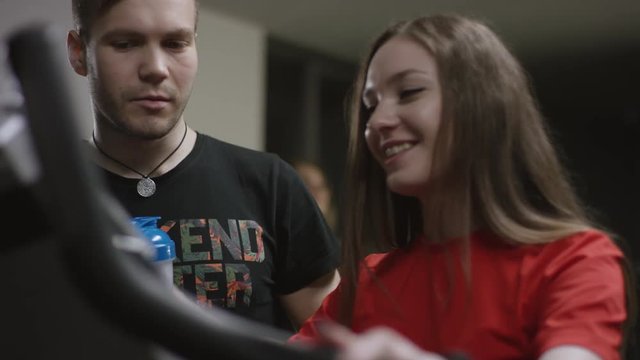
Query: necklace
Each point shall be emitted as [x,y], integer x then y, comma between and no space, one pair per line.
[146,186]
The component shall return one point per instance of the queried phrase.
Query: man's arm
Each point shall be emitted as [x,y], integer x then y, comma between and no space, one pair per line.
[300,305]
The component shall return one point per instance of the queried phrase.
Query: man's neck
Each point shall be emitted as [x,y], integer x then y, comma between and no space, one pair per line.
[133,157]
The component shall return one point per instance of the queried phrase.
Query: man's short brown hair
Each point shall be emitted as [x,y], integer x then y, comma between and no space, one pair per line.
[85,13]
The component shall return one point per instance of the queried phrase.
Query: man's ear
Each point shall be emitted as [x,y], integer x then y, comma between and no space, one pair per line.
[76,50]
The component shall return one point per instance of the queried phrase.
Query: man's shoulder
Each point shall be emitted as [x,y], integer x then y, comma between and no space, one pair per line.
[235,152]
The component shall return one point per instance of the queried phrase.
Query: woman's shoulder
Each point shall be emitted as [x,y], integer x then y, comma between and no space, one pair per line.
[592,249]
[586,243]
[590,242]
[548,259]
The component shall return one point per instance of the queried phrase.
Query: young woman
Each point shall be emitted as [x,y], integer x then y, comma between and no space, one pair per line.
[488,251]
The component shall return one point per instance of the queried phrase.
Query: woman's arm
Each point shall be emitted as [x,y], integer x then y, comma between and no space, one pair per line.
[376,344]
[569,352]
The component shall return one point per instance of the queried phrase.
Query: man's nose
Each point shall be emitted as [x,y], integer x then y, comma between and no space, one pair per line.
[154,68]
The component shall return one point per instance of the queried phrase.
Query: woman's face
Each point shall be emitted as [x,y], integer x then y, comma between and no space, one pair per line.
[402,93]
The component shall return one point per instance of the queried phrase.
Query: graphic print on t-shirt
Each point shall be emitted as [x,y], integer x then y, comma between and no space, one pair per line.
[214,257]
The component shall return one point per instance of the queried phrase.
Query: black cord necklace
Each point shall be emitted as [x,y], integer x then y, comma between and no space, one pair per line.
[146,186]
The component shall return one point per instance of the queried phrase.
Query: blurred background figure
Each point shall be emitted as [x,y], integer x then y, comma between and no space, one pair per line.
[316,181]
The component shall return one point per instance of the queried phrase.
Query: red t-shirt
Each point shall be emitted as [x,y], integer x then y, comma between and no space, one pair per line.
[520,302]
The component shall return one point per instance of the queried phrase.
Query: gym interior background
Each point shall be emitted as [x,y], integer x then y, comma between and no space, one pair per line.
[274,76]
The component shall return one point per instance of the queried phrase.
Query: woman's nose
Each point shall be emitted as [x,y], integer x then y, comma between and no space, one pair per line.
[383,117]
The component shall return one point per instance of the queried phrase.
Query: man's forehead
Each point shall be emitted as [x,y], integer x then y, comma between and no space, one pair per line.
[148,16]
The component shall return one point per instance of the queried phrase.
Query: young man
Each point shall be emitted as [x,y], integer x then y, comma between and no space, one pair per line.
[248,236]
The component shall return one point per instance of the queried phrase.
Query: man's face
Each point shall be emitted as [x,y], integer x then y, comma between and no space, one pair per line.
[141,62]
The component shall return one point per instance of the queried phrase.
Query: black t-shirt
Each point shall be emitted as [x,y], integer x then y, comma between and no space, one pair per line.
[246,229]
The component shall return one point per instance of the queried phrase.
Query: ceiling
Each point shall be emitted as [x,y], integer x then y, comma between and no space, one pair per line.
[343,28]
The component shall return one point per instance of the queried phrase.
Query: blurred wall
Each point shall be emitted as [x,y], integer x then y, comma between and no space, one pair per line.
[228,98]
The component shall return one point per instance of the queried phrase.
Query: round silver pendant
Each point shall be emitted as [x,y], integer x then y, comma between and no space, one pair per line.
[146,187]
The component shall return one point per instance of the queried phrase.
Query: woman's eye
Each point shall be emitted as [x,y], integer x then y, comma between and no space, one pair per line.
[405,94]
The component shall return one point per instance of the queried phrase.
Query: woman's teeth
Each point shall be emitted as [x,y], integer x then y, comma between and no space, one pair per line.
[393,150]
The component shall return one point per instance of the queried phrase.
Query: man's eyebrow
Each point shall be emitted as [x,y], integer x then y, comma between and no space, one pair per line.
[121,33]
[182,32]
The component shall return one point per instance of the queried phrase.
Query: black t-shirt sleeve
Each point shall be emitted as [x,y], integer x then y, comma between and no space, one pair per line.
[307,248]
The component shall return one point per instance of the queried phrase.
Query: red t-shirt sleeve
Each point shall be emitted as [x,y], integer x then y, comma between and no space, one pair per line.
[582,297]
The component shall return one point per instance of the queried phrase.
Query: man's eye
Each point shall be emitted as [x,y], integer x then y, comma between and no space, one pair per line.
[176,44]
[122,44]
